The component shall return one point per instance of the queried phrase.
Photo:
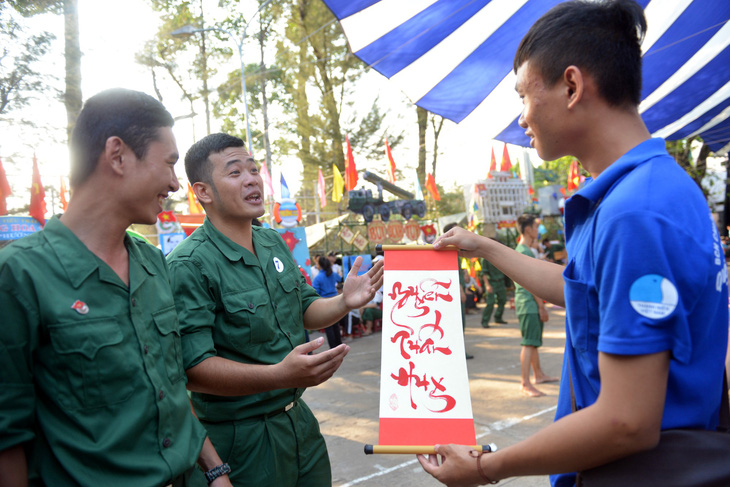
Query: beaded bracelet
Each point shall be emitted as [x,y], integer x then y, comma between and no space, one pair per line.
[481,472]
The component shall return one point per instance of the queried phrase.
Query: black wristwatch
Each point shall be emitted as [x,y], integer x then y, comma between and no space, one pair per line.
[216,472]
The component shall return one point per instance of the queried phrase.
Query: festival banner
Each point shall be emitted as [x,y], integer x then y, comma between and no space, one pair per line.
[15,227]
[360,242]
[296,239]
[376,231]
[424,386]
[394,230]
[412,230]
[347,235]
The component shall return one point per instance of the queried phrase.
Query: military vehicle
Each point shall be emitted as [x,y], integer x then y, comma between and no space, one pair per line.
[363,202]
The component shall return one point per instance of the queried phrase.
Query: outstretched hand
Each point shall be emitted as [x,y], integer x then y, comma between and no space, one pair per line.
[464,240]
[458,466]
[304,370]
[360,290]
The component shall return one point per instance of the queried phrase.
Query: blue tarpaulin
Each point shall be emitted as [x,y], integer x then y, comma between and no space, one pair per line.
[454,58]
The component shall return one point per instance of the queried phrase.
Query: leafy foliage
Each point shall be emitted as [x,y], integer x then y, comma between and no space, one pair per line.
[19,55]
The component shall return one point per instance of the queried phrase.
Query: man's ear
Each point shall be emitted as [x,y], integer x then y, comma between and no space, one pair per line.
[113,154]
[574,85]
[203,192]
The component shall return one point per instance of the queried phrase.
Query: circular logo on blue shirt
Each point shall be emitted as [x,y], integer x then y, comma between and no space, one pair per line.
[653,296]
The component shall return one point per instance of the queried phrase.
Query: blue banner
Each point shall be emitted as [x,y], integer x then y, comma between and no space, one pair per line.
[15,227]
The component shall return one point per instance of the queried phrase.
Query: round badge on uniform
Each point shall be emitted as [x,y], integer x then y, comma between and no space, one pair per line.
[278,264]
[653,296]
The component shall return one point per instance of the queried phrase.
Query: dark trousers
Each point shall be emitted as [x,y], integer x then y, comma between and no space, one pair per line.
[334,336]
[500,297]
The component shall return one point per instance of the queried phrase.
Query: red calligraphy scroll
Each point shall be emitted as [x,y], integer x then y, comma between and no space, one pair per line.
[424,387]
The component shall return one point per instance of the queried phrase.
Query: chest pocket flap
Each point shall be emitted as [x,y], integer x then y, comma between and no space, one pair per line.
[86,337]
[250,316]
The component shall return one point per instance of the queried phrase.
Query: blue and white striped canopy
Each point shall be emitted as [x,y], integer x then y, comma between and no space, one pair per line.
[454,58]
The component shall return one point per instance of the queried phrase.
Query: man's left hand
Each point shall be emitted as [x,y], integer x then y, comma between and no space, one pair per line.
[360,290]
[458,466]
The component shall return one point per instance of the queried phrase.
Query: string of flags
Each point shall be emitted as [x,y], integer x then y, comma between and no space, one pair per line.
[340,183]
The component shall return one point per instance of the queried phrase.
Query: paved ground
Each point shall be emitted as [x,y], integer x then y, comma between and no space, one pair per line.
[347,405]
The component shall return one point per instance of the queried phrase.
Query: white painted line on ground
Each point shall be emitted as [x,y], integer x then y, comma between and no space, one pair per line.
[496,426]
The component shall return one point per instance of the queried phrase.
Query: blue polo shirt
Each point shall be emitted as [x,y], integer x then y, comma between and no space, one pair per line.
[646,274]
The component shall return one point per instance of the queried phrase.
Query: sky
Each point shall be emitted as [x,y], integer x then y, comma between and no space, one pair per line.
[113,31]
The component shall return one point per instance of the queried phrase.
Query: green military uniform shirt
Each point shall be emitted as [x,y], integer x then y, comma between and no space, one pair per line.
[240,306]
[493,275]
[524,302]
[91,374]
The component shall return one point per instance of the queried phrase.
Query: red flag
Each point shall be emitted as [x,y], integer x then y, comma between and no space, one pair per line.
[573,176]
[492,165]
[195,207]
[321,190]
[37,196]
[391,165]
[268,184]
[350,169]
[431,187]
[5,190]
[64,194]
[506,165]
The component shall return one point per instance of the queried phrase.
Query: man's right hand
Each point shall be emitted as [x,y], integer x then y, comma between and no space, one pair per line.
[466,241]
[300,369]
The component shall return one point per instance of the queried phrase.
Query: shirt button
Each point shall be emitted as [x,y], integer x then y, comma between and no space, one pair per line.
[161,394]
[146,349]
[166,442]
[134,302]
[250,305]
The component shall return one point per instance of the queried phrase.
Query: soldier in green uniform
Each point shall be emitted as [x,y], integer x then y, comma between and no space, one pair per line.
[531,313]
[495,291]
[244,306]
[92,389]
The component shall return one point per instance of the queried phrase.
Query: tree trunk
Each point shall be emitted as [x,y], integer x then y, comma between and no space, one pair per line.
[264,101]
[436,133]
[422,114]
[204,71]
[72,97]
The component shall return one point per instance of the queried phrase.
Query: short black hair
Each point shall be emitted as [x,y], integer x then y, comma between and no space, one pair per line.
[525,220]
[326,265]
[197,164]
[133,116]
[601,37]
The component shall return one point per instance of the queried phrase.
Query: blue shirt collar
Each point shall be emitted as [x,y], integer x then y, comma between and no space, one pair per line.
[595,189]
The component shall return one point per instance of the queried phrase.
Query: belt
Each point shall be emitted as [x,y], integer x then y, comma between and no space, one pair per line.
[276,412]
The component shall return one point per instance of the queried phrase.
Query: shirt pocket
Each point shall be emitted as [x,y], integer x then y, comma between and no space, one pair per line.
[582,313]
[169,328]
[248,320]
[92,366]
[292,302]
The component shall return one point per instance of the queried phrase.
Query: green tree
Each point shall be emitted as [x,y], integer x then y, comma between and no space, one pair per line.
[172,54]
[680,150]
[69,8]
[451,202]
[318,73]
[552,172]
[19,56]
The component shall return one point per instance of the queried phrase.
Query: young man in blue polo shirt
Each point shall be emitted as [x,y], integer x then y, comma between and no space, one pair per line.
[646,328]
